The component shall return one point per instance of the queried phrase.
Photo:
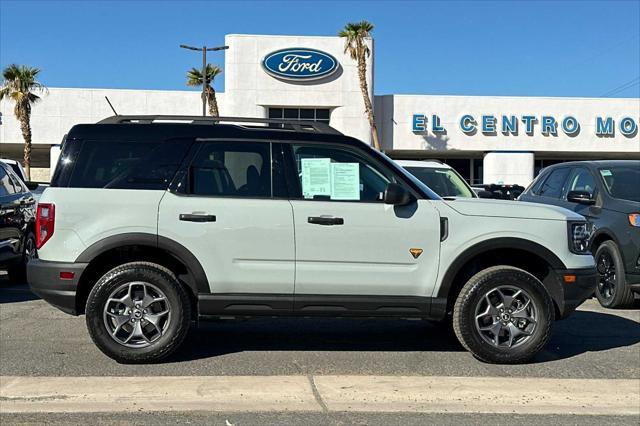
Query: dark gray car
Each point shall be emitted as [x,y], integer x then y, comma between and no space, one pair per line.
[17,218]
[607,193]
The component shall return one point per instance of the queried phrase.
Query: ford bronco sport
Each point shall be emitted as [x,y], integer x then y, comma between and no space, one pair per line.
[150,224]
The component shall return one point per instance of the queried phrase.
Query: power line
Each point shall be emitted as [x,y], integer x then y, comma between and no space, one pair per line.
[622,87]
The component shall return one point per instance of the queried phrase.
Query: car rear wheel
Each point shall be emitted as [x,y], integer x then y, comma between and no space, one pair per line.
[138,312]
[503,315]
[612,291]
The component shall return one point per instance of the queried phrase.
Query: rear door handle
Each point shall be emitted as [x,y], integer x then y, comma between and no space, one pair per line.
[325,220]
[190,217]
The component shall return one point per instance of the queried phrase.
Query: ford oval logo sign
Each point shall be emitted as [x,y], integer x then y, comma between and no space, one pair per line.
[299,64]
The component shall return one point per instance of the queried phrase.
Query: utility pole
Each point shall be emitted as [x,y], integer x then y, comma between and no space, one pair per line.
[204,50]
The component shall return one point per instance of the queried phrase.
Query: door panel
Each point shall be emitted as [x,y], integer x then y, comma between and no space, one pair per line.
[249,248]
[368,254]
[223,212]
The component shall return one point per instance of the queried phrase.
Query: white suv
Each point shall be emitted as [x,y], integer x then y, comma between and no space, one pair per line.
[150,224]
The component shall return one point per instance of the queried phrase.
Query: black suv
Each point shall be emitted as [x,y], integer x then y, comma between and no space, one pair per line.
[607,193]
[17,217]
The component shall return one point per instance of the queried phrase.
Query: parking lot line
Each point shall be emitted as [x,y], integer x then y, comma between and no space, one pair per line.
[334,393]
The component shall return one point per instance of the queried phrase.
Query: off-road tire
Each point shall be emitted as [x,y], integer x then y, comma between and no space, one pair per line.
[472,293]
[622,295]
[177,298]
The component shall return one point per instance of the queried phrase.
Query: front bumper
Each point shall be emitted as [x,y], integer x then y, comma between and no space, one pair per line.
[576,292]
[44,279]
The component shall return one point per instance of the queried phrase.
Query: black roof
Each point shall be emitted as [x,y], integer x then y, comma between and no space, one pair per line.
[596,163]
[165,127]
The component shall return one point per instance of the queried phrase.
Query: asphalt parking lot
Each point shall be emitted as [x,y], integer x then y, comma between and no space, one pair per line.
[37,340]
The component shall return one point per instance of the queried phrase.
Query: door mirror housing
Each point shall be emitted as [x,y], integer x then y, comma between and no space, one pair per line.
[397,195]
[580,197]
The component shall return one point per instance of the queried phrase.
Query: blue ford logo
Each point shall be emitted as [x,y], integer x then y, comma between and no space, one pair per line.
[299,64]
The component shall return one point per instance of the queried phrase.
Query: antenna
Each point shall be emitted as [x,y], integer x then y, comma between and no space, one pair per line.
[111,106]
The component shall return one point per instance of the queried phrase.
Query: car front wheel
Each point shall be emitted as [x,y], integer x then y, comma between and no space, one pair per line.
[503,315]
[612,291]
[138,312]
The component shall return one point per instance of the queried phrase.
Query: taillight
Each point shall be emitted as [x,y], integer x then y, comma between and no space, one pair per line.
[45,220]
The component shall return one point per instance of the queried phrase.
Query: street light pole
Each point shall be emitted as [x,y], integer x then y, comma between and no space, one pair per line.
[204,50]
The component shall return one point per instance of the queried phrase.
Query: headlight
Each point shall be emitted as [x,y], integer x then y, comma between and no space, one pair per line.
[634,219]
[580,237]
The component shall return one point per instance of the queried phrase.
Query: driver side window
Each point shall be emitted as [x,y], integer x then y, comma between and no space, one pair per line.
[329,173]
[582,180]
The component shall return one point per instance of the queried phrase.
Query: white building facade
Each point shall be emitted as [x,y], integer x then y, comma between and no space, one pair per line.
[487,139]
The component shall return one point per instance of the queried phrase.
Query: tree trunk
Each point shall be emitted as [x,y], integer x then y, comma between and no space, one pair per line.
[213,103]
[25,127]
[364,88]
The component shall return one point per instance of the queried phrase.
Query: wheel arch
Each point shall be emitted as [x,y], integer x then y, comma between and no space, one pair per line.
[518,252]
[601,235]
[122,248]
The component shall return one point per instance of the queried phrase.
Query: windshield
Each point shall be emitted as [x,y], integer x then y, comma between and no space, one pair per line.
[622,182]
[444,182]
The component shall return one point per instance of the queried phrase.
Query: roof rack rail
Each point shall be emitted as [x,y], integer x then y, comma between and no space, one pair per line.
[301,126]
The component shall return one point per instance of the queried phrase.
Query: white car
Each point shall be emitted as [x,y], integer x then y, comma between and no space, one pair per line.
[150,224]
[439,177]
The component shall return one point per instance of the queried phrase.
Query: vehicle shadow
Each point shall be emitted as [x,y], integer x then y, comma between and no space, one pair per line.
[12,293]
[306,334]
[588,331]
[585,331]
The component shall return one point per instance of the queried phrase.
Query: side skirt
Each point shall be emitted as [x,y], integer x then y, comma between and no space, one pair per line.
[307,305]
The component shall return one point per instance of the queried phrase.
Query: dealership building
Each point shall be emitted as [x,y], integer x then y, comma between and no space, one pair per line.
[488,139]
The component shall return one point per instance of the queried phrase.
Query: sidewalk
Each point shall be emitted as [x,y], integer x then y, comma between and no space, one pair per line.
[321,394]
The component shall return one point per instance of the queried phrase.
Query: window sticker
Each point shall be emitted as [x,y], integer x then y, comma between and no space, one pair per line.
[316,177]
[345,181]
[605,172]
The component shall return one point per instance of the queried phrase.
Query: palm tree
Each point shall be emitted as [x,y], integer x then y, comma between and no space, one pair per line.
[194,79]
[355,43]
[21,86]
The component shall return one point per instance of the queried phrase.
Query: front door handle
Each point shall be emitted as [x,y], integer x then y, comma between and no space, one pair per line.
[325,220]
[190,217]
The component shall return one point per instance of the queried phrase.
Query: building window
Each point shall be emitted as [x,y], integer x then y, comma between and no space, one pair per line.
[300,114]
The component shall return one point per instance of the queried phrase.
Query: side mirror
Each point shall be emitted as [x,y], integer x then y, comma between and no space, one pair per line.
[485,194]
[32,185]
[580,197]
[397,195]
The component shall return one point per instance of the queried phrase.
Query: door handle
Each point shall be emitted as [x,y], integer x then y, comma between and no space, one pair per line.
[190,217]
[325,220]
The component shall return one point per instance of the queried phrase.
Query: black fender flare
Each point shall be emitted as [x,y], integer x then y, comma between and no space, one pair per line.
[199,283]
[492,244]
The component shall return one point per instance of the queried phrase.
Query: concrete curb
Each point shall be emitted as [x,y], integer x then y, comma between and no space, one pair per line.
[331,393]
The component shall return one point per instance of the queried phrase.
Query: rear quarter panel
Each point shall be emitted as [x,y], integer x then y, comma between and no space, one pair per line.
[85,216]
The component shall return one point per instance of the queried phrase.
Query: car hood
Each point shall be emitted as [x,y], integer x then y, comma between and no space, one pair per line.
[512,209]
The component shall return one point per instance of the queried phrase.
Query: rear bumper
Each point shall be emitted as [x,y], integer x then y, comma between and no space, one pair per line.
[575,293]
[44,279]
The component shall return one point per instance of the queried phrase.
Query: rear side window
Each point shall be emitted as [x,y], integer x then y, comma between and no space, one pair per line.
[6,185]
[237,169]
[554,184]
[126,164]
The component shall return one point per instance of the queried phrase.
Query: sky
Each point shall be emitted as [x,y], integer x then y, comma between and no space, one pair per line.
[509,48]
